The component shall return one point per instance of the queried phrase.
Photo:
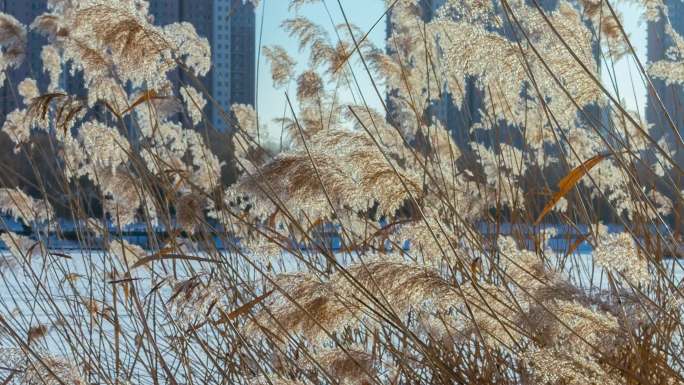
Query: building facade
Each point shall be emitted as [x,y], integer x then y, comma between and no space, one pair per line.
[672,96]
[229,25]
[458,119]
[24,11]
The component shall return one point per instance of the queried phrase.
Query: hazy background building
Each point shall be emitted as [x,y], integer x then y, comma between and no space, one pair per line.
[229,25]
[24,11]
[458,119]
[672,95]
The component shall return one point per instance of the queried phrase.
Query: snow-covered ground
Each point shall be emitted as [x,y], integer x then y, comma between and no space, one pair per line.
[54,290]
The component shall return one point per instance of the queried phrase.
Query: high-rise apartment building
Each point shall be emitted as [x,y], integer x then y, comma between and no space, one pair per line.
[229,25]
[457,119]
[672,95]
[24,11]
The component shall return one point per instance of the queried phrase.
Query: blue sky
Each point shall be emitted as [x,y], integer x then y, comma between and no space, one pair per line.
[364,13]
[631,88]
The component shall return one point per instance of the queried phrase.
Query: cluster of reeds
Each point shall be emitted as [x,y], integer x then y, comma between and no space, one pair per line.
[445,270]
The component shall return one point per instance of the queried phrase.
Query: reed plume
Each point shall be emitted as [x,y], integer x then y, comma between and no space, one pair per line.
[367,244]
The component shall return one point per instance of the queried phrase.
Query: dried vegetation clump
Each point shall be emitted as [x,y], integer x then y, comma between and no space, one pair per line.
[360,245]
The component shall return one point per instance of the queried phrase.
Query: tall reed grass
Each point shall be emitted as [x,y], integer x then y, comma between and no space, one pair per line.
[446,270]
